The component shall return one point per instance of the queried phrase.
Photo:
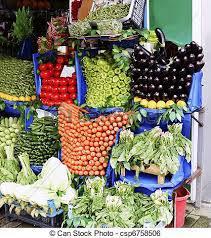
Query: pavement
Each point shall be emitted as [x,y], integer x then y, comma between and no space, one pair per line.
[198,217]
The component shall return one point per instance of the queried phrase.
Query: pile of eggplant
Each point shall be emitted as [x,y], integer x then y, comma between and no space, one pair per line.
[167,73]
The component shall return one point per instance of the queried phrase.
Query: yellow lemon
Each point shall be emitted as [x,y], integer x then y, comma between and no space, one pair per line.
[144,103]
[13,98]
[152,104]
[169,103]
[22,99]
[181,103]
[27,99]
[161,105]
[137,99]
[9,98]
[33,97]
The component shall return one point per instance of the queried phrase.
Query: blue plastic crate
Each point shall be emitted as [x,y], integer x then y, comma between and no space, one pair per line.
[37,79]
[36,168]
[194,103]
[82,88]
[9,108]
[147,183]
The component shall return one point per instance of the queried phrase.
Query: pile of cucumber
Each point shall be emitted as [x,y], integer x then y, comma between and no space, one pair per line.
[41,142]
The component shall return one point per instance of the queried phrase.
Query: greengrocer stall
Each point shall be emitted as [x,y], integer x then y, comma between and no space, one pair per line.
[97,117]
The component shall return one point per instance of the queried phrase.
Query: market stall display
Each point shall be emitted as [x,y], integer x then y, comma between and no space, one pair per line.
[108,84]
[159,79]
[113,103]
[41,142]
[151,151]
[42,198]
[53,87]
[16,80]
[119,206]
[10,128]
[86,146]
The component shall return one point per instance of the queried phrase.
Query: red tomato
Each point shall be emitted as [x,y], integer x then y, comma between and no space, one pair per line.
[72,89]
[73,96]
[55,90]
[50,66]
[69,101]
[50,103]
[51,72]
[57,74]
[45,81]
[48,88]
[62,89]
[49,95]
[44,87]
[56,82]
[55,97]
[58,67]
[42,94]
[60,60]
[43,100]
[42,67]
[72,82]
[56,102]
[46,74]
[64,96]
[63,82]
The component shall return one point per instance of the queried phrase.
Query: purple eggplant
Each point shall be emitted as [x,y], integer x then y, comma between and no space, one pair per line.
[191,68]
[199,66]
[200,57]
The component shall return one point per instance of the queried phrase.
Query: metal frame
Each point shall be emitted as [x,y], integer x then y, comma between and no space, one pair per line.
[197,131]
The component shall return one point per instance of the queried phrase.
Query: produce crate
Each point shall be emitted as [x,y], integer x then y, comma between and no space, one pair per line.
[53,220]
[148,183]
[82,90]
[28,121]
[194,103]
[136,12]
[9,108]
[38,80]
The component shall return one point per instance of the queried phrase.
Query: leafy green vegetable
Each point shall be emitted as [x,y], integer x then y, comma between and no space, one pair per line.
[26,175]
[174,113]
[9,168]
[22,28]
[115,11]
[152,147]
[119,206]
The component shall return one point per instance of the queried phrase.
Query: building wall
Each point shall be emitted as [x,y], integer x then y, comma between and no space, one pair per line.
[206,156]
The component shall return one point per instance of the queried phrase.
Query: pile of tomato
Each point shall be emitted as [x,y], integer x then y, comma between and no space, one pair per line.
[86,144]
[56,89]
